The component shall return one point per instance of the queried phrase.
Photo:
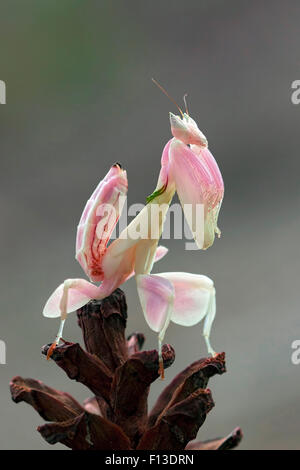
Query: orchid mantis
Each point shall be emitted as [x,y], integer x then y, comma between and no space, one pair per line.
[187,167]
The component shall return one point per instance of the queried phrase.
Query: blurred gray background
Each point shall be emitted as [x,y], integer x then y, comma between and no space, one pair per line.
[79,98]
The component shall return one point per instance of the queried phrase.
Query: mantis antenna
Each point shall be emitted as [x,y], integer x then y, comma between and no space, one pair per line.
[167,94]
[185,103]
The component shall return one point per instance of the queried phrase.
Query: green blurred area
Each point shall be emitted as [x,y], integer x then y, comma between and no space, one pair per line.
[64,50]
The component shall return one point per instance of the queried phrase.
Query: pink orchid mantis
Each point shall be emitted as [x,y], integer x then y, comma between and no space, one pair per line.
[182,298]
[187,167]
[185,298]
[196,176]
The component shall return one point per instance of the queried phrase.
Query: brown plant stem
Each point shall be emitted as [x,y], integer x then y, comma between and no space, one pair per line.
[130,389]
[103,326]
[83,367]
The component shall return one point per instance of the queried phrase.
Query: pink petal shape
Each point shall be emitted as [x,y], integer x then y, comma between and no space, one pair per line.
[79,295]
[98,220]
[156,296]
[192,299]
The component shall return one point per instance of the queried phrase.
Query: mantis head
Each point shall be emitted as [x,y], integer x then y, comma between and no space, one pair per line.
[186,130]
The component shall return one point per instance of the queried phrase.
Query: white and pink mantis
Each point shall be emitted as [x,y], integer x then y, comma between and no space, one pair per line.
[187,167]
